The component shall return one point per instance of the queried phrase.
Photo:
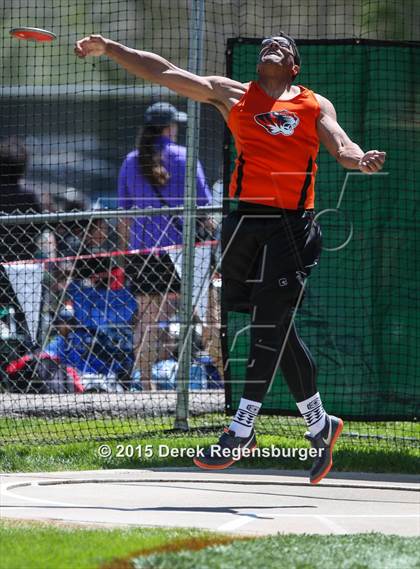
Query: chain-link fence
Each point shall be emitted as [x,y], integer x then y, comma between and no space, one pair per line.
[110,314]
[92,327]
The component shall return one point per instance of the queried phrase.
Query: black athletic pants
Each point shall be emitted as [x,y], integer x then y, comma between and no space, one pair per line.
[267,255]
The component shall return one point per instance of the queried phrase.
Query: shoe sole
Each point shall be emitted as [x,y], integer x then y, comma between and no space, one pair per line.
[328,467]
[205,466]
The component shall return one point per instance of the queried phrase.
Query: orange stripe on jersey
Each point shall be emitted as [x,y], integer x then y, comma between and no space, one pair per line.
[277,144]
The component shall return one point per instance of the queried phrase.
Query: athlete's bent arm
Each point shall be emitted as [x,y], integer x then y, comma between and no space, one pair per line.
[337,142]
[156,69]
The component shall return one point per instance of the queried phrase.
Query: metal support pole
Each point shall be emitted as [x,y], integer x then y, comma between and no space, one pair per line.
[190,194]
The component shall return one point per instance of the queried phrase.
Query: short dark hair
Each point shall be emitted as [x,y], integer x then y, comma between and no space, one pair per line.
[294,47]
[13,160]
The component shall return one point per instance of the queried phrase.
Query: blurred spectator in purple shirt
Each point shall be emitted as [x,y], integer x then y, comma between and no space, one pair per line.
[153,175]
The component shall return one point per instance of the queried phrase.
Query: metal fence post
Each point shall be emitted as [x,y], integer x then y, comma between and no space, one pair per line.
[186,308]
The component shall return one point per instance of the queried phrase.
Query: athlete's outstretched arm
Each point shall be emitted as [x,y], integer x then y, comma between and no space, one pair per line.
[337,142]
[156,69]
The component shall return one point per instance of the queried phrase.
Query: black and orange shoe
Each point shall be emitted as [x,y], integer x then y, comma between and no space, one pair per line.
[324,442]
[228,450]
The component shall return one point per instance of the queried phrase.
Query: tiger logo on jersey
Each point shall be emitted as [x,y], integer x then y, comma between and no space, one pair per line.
[278,122]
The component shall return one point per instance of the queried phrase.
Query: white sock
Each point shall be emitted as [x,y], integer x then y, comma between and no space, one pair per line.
[313,413]
[243,421]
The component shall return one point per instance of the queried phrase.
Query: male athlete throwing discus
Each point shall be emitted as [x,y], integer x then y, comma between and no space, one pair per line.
[272,241]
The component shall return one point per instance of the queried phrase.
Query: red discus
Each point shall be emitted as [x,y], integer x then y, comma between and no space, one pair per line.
[32,34]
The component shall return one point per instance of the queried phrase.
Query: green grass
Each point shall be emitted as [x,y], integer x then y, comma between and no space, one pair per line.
[44,546]
[64,430]
[41,546]
[361,551]
[360,457]
[358,453]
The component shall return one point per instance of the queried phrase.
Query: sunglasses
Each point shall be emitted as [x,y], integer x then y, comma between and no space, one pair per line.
[281,41]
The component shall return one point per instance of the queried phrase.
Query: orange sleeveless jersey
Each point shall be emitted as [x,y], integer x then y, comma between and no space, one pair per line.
[277,145]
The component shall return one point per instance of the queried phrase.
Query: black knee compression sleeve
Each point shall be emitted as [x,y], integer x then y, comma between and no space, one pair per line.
[298,367]
[272,336]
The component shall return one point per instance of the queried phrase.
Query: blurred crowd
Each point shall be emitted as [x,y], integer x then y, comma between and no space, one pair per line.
[109,292]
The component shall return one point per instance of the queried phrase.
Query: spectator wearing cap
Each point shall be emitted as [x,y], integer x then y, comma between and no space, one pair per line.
[153,175]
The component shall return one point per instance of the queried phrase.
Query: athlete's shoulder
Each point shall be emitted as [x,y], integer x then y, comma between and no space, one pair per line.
[226,89]
[325,105]
[222,82]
